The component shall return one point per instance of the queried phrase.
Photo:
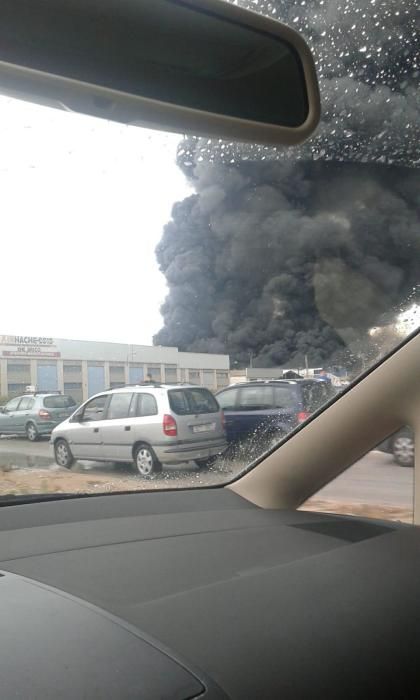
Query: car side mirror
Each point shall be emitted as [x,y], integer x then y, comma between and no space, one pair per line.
[3,409]
[77,417]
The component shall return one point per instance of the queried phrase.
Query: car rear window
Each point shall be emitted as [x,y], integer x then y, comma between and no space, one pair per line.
[185,402]
[59,402]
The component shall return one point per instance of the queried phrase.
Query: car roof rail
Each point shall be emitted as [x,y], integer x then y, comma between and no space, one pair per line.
[127,386]
[183,384]
[43,391]
[151,383]
[258,382]
[154,384]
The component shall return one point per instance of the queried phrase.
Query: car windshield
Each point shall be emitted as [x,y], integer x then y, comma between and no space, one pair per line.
[193,266]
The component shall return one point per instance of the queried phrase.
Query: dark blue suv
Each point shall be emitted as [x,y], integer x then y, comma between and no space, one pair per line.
[269,409]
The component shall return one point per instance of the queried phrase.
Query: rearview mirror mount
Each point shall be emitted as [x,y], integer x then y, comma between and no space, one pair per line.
[201,66]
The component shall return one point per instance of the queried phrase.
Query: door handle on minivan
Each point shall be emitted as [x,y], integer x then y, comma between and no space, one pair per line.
[96,430]
[127,427]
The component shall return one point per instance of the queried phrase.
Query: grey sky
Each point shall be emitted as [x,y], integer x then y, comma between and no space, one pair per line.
[83,206]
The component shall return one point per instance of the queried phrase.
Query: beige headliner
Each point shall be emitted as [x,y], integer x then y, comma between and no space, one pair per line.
[382,402]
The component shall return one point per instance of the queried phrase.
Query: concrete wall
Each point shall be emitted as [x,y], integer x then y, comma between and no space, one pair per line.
[200,360]
[21,359]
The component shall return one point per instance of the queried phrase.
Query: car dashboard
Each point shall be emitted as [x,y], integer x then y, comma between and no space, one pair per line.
[199,593]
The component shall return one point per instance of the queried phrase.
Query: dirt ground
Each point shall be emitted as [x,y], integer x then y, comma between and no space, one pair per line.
[361,510]
[21,481]
[57,480]
[18,481]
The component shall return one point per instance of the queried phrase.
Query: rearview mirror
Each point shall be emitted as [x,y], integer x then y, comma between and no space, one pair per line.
[203,66]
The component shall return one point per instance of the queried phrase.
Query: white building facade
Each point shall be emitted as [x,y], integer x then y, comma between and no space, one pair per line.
[83,368]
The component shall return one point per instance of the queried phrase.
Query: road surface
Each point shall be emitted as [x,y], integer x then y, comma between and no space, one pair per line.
[375,486]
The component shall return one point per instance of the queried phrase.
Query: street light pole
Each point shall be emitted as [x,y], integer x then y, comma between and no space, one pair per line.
[131,353]
[128,365]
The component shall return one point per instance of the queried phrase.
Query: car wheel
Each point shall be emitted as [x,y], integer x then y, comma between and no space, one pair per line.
[207,462]
[63,455]
[31,432]
[403,449]
[145,461]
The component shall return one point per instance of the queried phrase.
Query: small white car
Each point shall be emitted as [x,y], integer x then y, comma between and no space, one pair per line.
[148,424]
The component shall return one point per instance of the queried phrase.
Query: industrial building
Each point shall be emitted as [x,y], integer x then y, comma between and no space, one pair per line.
[82,368]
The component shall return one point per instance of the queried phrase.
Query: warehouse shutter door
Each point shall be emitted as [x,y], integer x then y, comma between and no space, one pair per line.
[96,380]
[47,378]
[136,375]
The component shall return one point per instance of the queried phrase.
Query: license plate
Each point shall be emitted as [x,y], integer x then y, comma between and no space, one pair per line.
[63,415]
[205,428]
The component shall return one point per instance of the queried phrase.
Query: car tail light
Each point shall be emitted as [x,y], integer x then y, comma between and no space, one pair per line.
[169,426]
[44,414]
[302,416]
[223,419]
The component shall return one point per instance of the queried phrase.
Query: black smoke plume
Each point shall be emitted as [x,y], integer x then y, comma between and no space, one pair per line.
[282,253]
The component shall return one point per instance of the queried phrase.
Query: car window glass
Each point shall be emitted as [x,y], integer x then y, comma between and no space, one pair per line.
[59,401]
[315,395]
[227,399]
[119,406]
[284,396]
[26,403]
[190,401]
[13,404]
[147,405]
[259,263]
[94,410]
[202,401]
[178,402]
[255,398]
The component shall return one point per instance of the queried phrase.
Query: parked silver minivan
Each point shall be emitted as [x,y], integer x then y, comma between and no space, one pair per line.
[150,424]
